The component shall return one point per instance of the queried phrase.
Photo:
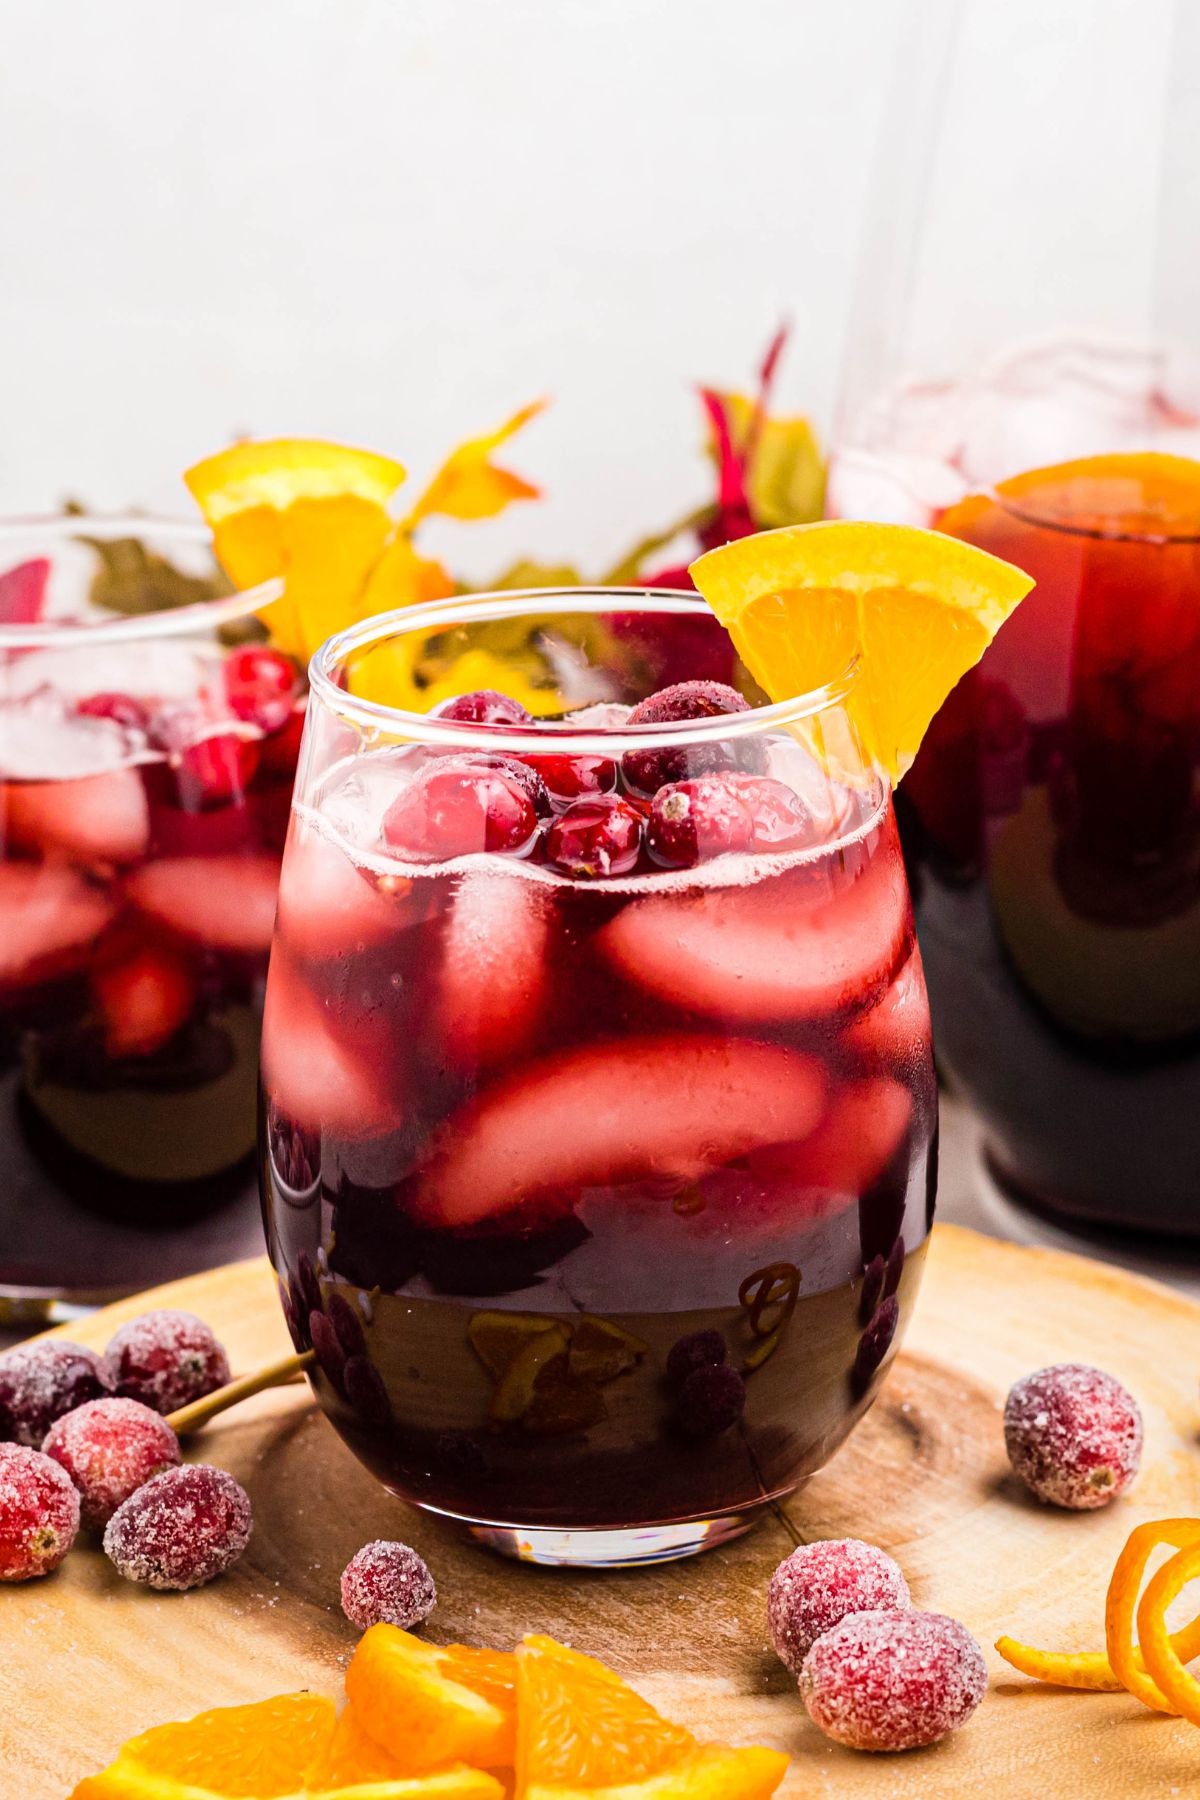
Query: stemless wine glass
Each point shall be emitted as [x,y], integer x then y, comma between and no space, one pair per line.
[1022,373]
[598,1138]
[146,761]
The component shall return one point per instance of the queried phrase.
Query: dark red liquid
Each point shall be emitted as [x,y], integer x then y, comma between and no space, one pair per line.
[1053,821]
[136,906]
[524,1134]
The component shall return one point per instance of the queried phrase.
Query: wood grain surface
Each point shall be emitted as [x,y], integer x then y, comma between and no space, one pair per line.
[86,1659]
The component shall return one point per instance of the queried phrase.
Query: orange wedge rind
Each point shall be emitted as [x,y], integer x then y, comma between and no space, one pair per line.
[912,610]
[428,1705]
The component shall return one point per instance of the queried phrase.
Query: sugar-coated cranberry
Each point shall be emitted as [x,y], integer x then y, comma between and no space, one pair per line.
[122,709]
[455,807]
[711,1400]
[387,1584]
[484,707]
[166,1359]
[39,1513]
[893,1680]
[875,1343]
[645,771]
[596,837]
[110,1448]
[41,1382]
[709,815]
[181,1529]
[819,1584]
[1074,1435]
[260,686]
[698,1350]
[570,778]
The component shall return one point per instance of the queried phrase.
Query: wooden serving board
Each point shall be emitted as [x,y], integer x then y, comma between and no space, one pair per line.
[86,1659]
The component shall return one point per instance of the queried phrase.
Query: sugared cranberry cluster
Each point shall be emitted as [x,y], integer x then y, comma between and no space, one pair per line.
[596,817]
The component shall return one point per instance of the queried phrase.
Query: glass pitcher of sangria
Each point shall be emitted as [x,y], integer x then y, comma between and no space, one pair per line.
[1023,373]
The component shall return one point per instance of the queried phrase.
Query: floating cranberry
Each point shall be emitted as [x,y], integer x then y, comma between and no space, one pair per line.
[455,807]
[645,771]
[307,1287]
[698,1350]
[260,686]
[110,1448]
[1074,1435]
[122,709]
[387,1584]
[484,707]
[692,821]
[819,1584]
[39,1513]
[874,1277]
[710,1401]
[595,838]
[570,778]
[328,1351]
[893,1680]
[166,1359]
[365,1390]
[522,772]
[346,1324]
[280,749]
[41,1382]
[181,1529]
[875,1343]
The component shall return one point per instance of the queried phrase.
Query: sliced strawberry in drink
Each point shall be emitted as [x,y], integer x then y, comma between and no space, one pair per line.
[328,905]
[99,818]
[861,1132]
[767,953]
[613,1113]
[226,902]
[895,1032]
[50,917]
[23,592]
[493,975]
[311,1073]
[143,1000]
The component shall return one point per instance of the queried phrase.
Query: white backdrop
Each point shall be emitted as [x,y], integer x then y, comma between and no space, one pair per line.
[395,220]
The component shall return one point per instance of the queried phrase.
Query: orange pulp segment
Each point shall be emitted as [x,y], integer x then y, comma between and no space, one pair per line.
[428,1706]
[918,609]
[239,1752]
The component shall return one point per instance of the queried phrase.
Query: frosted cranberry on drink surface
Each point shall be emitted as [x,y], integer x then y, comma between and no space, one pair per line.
[645,771]
[122,709]
[483,707]
[693,821]
[570,778]
[457,807]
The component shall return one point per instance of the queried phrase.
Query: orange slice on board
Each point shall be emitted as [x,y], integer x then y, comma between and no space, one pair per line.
[429,1705]
[917,608]
[239,1752]
[312,512]
[583,1732]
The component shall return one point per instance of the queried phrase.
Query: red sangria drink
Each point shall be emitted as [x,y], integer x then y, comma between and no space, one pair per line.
[598,1112]
[148,742]
[1052,818]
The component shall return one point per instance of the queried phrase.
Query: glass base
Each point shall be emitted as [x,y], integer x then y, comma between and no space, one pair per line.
[589,1547]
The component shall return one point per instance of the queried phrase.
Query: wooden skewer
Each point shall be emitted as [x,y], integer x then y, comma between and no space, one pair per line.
[276,1374]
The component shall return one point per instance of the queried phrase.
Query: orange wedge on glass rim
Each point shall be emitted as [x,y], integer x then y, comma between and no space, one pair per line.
[918,609]
[584,1734]
[312,512]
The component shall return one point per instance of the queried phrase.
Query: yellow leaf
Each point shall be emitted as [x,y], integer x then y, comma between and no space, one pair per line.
[469,485]
[786,479]
[275,471]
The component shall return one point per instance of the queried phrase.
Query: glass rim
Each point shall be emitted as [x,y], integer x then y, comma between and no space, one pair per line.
[175,621]
[509,603]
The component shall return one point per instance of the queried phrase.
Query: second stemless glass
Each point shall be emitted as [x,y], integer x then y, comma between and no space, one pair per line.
[600,1187]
